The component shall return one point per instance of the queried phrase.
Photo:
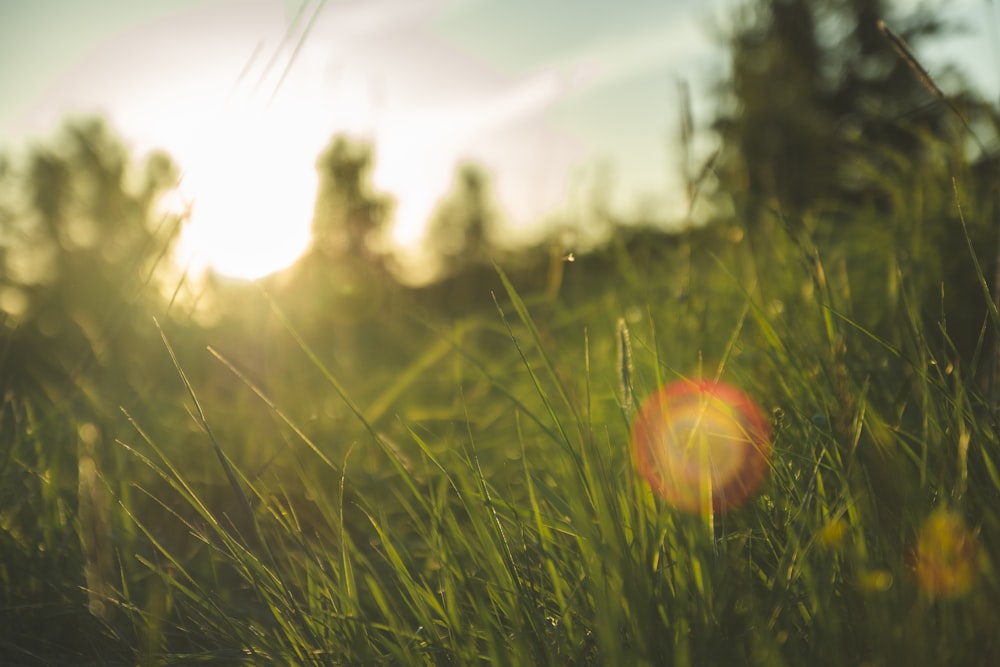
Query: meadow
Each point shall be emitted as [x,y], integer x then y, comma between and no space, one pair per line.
[330,467]
[421,484]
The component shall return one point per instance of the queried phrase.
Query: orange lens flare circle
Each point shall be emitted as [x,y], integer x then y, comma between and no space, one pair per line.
[702,444]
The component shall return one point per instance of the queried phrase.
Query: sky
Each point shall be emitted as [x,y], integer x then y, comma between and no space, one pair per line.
[551,97]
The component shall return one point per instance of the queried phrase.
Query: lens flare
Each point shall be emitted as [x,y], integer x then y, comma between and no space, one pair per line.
[947,556]
[701,444]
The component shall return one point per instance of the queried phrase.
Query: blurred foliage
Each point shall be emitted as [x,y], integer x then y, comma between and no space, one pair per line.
[84,249]
[349,214]
[817,101]
[461,232]
[825,123]
[343,280]
[82,243]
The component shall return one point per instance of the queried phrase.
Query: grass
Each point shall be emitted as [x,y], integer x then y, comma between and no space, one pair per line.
[476,502]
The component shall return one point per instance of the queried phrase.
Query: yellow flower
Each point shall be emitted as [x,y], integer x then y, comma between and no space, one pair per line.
[947,556]
[833,534]
[876,581]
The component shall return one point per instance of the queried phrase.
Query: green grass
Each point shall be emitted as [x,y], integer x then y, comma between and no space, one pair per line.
[528,539]
[472,499]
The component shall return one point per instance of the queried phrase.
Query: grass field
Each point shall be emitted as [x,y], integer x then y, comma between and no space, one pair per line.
[441,487]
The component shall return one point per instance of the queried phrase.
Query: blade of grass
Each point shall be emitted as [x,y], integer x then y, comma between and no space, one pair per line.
[526,319]
[227,466]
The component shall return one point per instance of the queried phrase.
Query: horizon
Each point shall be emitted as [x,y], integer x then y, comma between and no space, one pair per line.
[548,111]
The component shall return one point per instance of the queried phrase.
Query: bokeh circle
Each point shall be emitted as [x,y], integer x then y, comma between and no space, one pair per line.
[701,441]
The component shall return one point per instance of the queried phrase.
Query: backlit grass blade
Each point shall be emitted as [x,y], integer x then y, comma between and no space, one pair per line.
[227,467]
[274,408]
[536,338]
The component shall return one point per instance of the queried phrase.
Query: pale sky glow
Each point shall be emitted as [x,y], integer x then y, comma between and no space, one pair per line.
[382,70]
[541,94]
[419,147]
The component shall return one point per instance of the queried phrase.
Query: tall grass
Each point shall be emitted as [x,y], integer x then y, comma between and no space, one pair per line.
[477,502]
[482,507]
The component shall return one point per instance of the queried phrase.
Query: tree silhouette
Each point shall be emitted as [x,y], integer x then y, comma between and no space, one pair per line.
[461,229]
[80,245]
[818,99]
[342,278]
[829,120]
[348,212]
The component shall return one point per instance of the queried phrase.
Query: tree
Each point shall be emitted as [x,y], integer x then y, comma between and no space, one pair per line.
[830,125]
[341,280]
[348,212]
[81,244]
[460,231]
[818,100]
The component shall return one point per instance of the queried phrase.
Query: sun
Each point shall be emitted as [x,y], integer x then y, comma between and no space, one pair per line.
[249,180]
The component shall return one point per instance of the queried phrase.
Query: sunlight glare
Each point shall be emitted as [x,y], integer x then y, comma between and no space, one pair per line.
[250,181]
